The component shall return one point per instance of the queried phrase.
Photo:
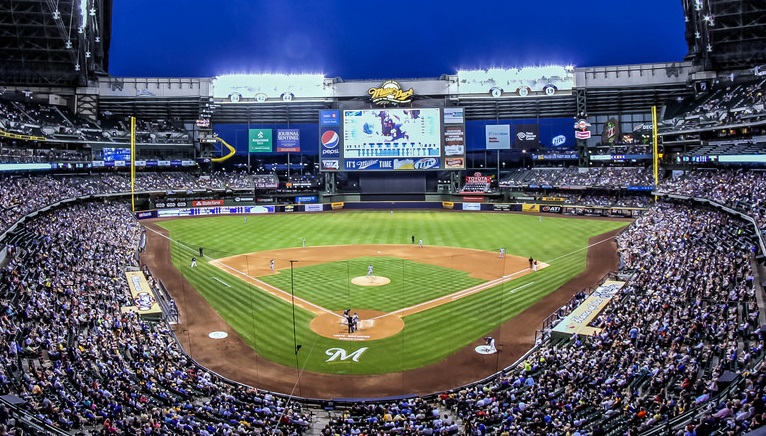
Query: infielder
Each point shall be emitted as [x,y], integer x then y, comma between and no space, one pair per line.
[502,253]
[194,262]
[420,243]
[271,265]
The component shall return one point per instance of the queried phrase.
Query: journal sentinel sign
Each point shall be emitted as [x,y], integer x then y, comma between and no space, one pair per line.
[288,141]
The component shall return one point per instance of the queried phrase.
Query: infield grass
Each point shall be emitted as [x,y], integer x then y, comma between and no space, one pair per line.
[265,321]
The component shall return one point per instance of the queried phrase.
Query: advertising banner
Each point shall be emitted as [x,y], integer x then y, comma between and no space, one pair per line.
[454,115]
[454,162]
[526,136]
[313,208]
[551,209]
[329,143]
[337,205]
[329,118]
[473,198]
[448,205]
[288,141]
[199,203]
[530,207]
[330,164]
[498,137]
[306,199]
[471,206]
[259,141]
[428,163]
[577,321]
[142,296]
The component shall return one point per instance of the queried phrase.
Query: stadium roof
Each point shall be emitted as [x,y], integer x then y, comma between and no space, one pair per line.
[54,42]
[726,34]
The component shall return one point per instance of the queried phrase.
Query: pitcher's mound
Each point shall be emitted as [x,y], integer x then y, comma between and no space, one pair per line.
[370,281]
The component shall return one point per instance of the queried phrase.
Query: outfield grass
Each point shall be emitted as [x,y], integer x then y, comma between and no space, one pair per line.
[266,322]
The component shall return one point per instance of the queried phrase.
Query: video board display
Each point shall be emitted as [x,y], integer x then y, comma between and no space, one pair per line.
[392,139]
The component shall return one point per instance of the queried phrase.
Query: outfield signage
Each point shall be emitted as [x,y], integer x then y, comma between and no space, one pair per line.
[329,141]
[313,208]
[526,136]
[259,141]
[471,206]
[377,164]
[498,137]
[390,92]
[288,140]
[306,199]
[329,118]
[219,210]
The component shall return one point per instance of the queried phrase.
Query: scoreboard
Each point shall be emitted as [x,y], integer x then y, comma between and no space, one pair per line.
[397,139]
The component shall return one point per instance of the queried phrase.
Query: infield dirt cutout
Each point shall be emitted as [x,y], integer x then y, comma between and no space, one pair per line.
[485,265]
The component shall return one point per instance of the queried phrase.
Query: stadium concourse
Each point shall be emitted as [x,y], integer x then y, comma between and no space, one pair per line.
[687,320]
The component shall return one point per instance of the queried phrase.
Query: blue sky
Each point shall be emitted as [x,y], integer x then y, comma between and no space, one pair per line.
[396,39]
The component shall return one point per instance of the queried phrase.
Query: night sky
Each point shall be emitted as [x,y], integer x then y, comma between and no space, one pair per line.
[359,39]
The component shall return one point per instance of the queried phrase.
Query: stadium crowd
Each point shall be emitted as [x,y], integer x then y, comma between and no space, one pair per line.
[737,188]
[691,275]
[82,363]
[574,176]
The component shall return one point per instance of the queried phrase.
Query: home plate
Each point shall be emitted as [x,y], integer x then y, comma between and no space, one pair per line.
[218,335]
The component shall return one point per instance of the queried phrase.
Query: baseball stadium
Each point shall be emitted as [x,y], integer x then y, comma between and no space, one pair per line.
[553,250]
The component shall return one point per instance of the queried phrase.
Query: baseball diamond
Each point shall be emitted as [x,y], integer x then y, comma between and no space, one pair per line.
[441,299]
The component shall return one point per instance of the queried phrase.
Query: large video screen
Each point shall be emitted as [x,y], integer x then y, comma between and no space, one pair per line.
[392,139]
[391,133]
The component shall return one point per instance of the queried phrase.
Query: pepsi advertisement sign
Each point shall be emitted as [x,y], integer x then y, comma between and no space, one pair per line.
[329,143]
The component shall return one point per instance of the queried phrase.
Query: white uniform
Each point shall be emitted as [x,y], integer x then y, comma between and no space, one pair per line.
[420,243]
[502,253]
[491,345]
[369,271]
[271,265]
[303,243]
[534,266]
[194,262]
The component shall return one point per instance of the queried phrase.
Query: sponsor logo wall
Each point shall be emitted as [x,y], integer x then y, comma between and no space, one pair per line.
[259,141]
[498,137]
[288,141]
[527,136]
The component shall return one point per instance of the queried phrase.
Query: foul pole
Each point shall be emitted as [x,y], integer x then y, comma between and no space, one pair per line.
[133,163]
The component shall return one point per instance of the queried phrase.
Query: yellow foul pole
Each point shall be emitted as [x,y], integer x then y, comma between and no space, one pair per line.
[133,163]
[655,154]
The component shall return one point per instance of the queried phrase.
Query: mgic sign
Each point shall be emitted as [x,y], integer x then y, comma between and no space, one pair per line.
[390,92]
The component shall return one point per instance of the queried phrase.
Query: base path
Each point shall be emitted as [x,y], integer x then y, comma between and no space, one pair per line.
[241,363]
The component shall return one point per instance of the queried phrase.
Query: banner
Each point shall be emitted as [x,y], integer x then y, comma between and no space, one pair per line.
[426,163]
[577,321]
[525,207]
[329,117]
[306,199]
[142,296]
[314,208]
[471,206]
[288,141]
[498,137]
[526,136]
[259,141]
[337,205]
[448,205]
[201,203]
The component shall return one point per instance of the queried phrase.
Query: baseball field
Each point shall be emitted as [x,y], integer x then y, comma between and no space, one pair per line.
[417,307]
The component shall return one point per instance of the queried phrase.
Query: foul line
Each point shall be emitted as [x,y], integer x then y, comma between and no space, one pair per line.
[581,249]
[220,281]
[285,296]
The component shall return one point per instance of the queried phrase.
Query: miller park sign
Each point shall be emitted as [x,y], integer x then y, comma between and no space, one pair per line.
[390,92]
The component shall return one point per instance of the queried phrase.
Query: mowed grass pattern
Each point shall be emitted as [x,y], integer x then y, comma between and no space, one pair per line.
[329,284]
[266,322]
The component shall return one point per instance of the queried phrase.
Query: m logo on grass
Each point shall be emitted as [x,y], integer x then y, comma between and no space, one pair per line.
[340,354]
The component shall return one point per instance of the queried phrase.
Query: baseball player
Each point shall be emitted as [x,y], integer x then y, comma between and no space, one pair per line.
[271,265]
[303,242]
[490,341]
[369,270]
[194,262]
[502,253]
[420,243]
[534,266]
[355,321]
